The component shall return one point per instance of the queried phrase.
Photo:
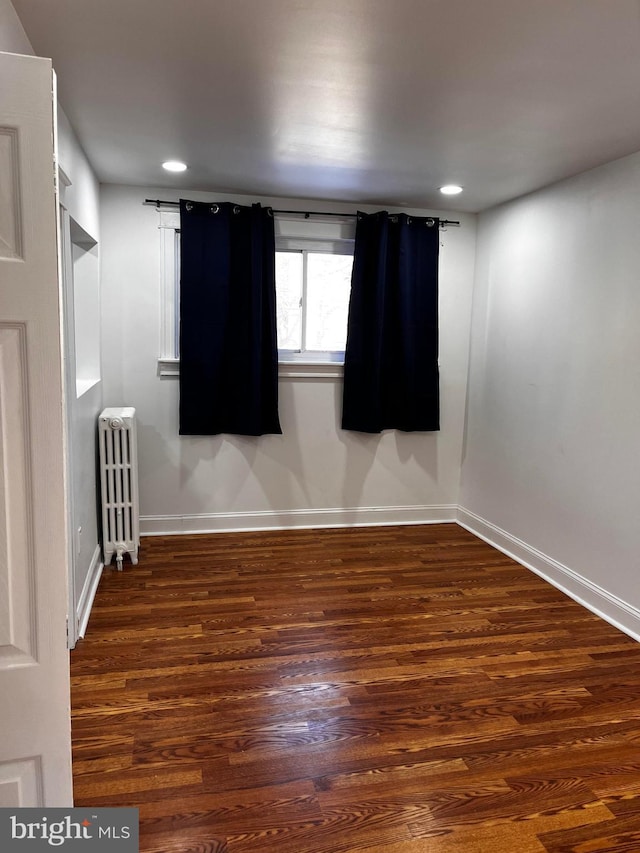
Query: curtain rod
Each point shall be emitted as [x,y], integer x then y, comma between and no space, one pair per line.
[306,213]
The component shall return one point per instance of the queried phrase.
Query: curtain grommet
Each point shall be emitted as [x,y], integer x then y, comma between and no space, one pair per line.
[236,209]
[214,208]
[429,222]
[189,206]
[393,219]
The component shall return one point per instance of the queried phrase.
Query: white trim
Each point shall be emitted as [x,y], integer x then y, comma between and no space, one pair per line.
[168,300]
[63,179]
[169,367]
[169,219]
[162,525]
[85,603]
[595,598]
[286,369]
[310,370]
[85,385]
[65,267]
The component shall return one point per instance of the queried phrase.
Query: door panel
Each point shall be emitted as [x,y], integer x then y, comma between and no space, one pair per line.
[35,755]
[10,225]
[18,623]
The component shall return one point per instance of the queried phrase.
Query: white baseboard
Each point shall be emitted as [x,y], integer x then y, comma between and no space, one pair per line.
[595,598]
[159,525]
[85,602]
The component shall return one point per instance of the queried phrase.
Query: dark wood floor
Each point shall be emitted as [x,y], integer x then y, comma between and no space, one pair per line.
[388,690]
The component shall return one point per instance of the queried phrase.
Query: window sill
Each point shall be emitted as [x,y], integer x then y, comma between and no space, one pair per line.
[286,369]
[169,367]
[83,386]
[310,370]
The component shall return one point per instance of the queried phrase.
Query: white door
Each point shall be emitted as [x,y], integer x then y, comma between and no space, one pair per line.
[35,750]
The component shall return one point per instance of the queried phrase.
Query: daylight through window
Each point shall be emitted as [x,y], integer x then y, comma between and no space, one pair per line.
[312,298]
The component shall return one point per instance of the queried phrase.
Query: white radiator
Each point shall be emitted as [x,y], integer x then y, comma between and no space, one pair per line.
[119,484]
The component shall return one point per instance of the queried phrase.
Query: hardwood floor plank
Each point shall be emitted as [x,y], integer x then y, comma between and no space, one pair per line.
[406,690]
[132,781]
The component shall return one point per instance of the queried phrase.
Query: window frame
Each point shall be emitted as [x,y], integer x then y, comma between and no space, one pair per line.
[295,232]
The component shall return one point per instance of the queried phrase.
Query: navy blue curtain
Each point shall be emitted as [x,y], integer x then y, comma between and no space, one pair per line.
[391,359]
[228,349]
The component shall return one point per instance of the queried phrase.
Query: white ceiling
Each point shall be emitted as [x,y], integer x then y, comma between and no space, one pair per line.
[378,101]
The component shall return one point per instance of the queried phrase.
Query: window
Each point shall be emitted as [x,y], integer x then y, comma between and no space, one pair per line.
[314,257]
[312,303]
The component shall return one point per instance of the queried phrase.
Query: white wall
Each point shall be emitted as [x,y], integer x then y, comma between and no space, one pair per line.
[13,38]
[550,468]
[315,473]
[81,198]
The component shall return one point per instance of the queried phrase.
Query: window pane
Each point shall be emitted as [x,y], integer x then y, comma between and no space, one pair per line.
[328,288]
[289,299]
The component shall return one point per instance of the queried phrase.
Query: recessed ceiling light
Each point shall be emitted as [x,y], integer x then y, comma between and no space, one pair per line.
[174,166]
[450,189]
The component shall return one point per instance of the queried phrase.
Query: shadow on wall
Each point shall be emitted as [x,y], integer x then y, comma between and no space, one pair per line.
[282,473]
[364,450]
[225,473]
[155,455]
[360,449]
[421,448]
[328,468]
[360,455]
